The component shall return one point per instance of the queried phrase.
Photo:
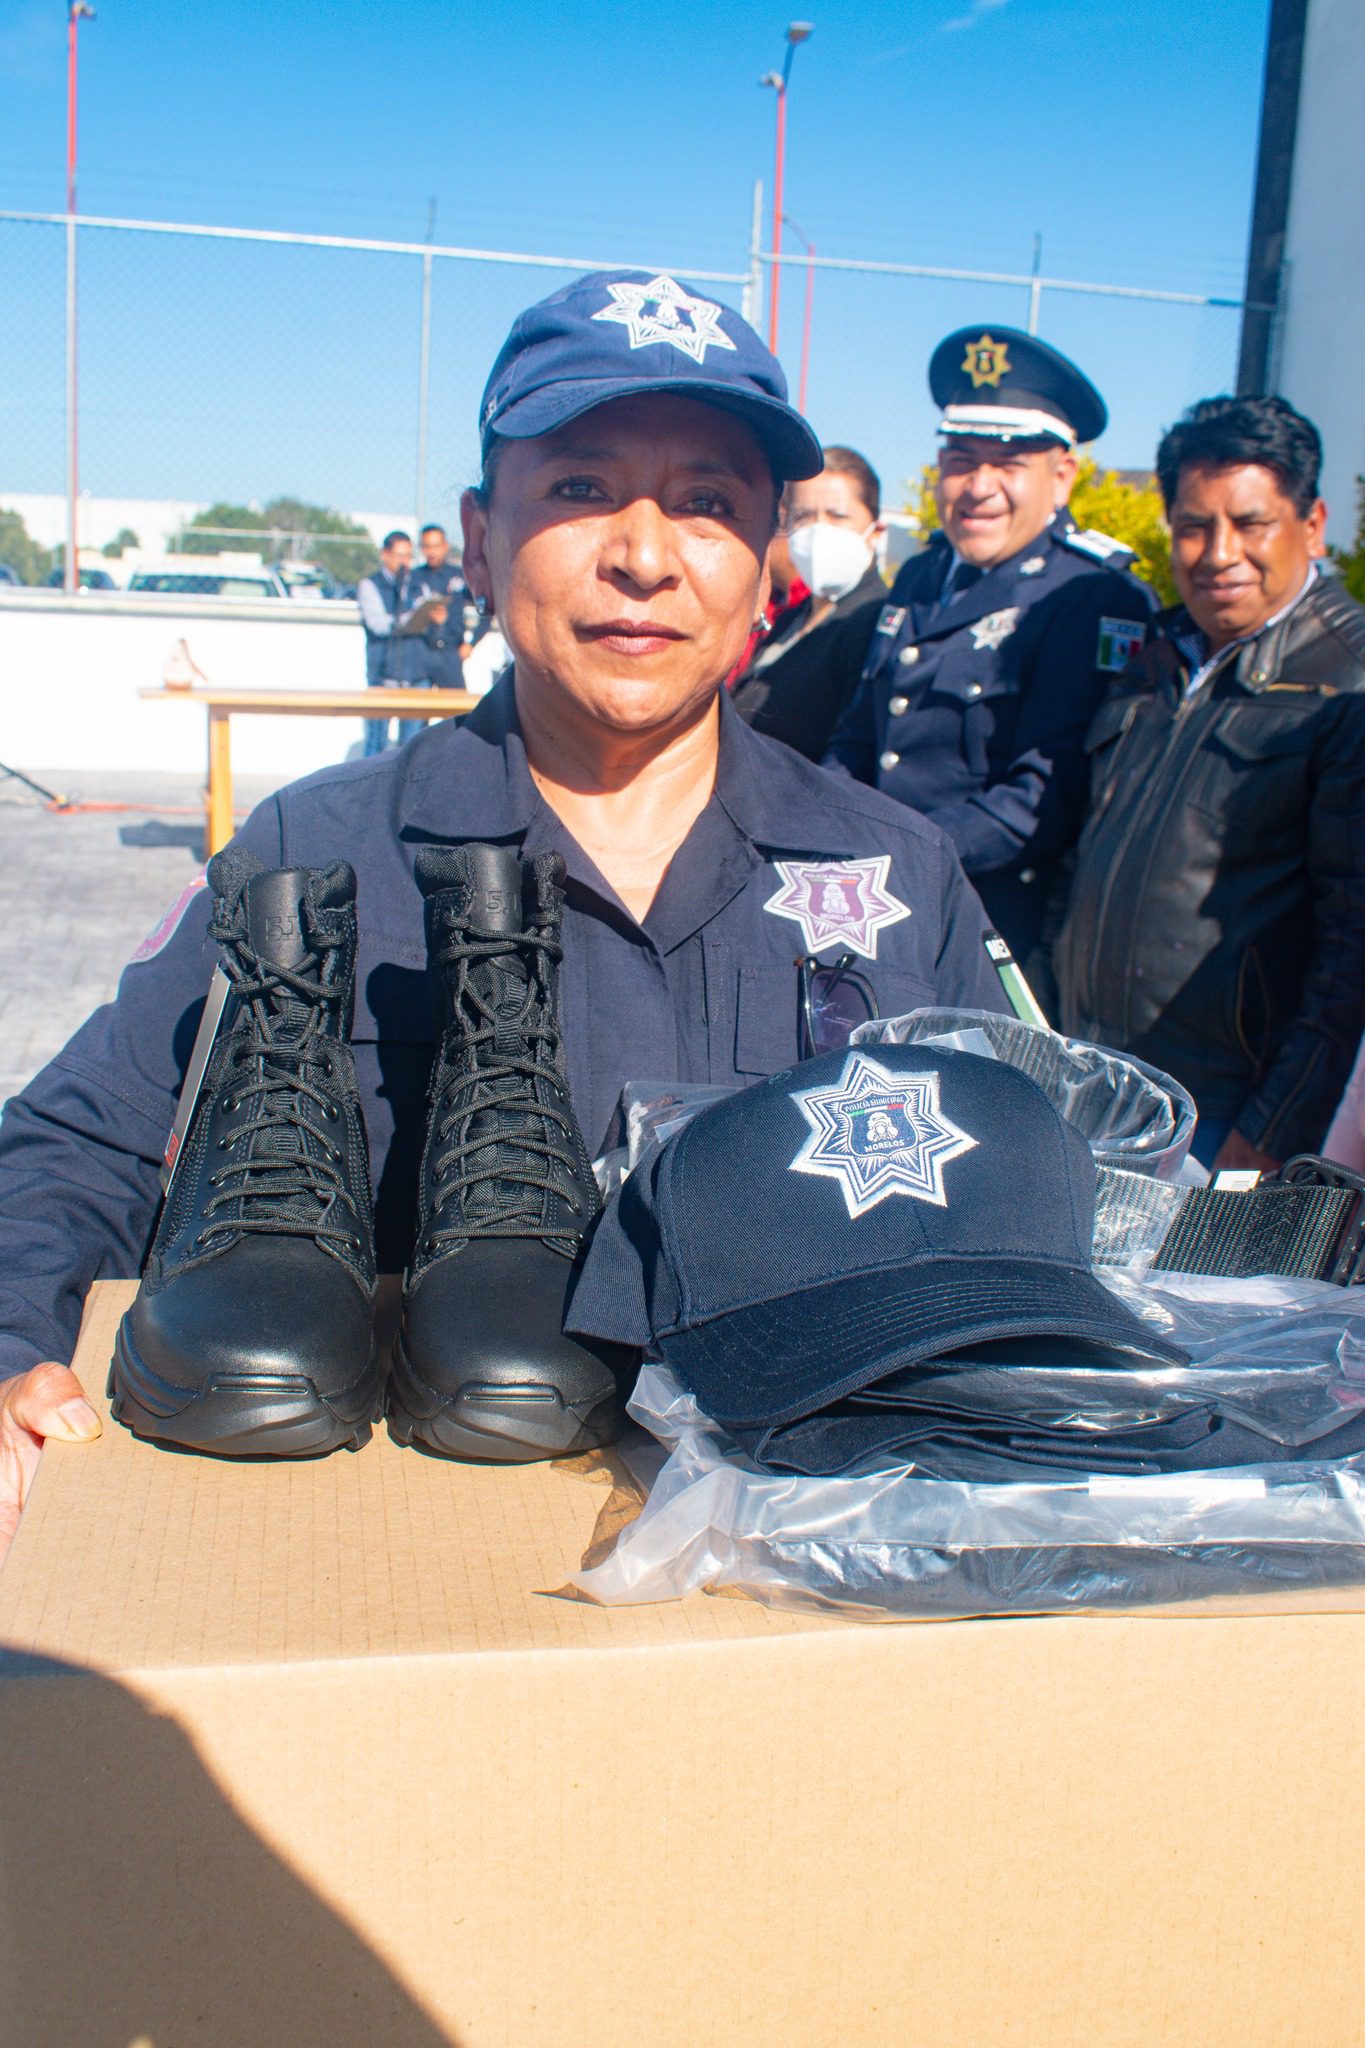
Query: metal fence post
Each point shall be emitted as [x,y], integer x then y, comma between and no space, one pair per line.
[423,389]
[751,304]
[1035,290]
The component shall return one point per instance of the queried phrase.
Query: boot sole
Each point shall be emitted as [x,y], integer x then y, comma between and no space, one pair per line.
[491,1423]
[257,1415]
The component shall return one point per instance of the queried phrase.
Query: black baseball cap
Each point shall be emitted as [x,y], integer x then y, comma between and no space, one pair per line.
[868,1210]
[1005,385]
[614,333]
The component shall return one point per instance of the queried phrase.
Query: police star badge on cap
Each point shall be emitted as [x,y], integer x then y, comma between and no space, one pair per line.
[1004,385]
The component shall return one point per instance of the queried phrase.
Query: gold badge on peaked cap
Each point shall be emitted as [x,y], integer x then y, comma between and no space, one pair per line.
[986,361]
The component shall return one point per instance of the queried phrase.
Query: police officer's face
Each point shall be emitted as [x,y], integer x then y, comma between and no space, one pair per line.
[994,497]
[397,558]
[624,557]
[1239,549]
[435,548]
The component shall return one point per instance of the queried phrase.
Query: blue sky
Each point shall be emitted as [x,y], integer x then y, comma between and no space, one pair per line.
[941,132]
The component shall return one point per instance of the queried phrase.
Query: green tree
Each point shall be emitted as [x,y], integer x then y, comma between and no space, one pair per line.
[206,534]
[124,538]
[21,552]
[1351,561]
[1128,512]
[1104,501]
[334,542]
[287,529]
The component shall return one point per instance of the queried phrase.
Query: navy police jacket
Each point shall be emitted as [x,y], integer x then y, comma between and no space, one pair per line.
[784,861]
[438,649]
[975,712]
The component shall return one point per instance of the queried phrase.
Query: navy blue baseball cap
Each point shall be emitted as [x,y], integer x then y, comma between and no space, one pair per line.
[1009,386]
[865,1211]
[614,333]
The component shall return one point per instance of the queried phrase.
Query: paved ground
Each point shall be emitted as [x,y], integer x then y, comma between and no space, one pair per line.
[77,893]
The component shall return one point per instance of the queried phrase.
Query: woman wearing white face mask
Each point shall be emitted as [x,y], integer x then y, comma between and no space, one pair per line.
[798,681]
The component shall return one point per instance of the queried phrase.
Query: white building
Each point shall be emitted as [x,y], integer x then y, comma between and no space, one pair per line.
[1307,252]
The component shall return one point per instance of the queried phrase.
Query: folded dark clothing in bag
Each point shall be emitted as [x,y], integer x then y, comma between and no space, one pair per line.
[913,1581]
[943,1444]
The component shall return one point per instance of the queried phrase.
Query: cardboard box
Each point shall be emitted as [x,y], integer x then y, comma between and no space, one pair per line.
[306,1756]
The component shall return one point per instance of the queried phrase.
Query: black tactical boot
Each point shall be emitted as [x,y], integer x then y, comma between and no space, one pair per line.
[482,1368]
[251,1334]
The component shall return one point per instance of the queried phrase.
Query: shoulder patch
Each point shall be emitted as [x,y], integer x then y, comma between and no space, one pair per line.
[1101,547]
[1120,640]
[890,619]
[161,934]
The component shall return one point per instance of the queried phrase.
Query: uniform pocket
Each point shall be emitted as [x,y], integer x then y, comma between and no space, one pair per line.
[1252,771]
[768,1027]
[767,1020]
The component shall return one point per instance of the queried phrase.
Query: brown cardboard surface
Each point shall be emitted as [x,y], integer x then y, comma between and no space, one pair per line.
[133,1557]
[299,1755]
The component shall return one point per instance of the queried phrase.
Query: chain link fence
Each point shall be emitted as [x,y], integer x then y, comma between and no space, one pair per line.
[233,367]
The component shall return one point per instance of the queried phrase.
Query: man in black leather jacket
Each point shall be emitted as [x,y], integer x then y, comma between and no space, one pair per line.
[1216,924]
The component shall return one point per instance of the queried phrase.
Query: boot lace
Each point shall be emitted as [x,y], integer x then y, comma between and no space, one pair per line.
[275,1180]
[491,1111]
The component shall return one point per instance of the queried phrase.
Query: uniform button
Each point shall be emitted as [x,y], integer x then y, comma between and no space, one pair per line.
[973,689]
[1028,874]
[889,760]
[908,656]
[898,705]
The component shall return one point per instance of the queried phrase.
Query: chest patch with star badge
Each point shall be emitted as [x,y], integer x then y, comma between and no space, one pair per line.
[995,627]
[879,1134]
[662,311]
[838,902]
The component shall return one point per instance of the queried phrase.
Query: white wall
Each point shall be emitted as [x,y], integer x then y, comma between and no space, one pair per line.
[1319,360]
[155,521]
[71,669]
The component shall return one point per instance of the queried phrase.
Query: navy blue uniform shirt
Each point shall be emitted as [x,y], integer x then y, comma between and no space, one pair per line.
[975,709]
[784,860]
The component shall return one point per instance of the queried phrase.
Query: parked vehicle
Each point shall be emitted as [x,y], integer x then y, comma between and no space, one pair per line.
[253,583]
[87,579]
[309,580]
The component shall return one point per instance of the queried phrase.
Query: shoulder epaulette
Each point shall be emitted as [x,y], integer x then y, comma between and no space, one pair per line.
[1101,547]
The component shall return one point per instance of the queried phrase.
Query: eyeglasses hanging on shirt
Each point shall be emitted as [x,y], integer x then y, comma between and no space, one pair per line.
[834,1001]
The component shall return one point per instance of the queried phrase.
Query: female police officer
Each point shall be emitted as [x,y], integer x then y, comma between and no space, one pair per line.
[635,441]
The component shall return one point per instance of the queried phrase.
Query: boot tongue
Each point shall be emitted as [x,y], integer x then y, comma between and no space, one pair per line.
[492,878]
[277,933]
[275,918]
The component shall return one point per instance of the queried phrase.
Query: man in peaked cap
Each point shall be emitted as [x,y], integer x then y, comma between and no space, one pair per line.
[998,641]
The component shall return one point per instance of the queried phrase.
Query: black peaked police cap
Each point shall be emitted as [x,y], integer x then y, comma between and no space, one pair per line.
[862,1212]
[1009,386]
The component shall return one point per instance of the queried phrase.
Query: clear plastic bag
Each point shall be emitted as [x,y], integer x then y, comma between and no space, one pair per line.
[887,1543]
[1134,1118]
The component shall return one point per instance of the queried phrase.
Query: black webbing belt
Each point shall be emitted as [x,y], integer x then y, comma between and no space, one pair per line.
[1306,1222]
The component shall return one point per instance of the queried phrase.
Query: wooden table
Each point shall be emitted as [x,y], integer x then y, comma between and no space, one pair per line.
[385,702]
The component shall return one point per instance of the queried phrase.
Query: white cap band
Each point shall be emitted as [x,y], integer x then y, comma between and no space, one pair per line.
[1007,423]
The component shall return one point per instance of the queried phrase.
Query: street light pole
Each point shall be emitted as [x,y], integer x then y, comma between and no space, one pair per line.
[75,10]
[797,32]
